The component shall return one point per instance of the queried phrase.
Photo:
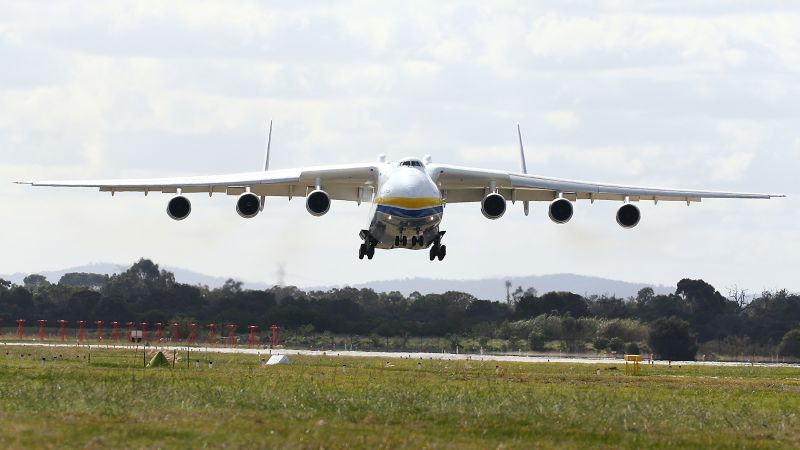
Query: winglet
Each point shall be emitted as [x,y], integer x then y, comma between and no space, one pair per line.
[521,150]
[526,206]
[269,144]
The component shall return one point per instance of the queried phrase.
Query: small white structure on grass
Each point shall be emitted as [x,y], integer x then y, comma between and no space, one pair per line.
[275,360]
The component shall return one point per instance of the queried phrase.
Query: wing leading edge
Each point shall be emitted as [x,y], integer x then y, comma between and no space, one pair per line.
[343,182]
[465,184]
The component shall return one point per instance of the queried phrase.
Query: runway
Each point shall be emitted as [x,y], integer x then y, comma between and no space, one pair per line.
[397,355]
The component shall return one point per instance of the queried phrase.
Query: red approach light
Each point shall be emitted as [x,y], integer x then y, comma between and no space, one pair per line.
[275,340]
[252,338]
[98,332]
[81,330]
[192,332]
[159,331]
[145,336]
[232,334]
[114,331]
[21,328]
[62,330]
[176,332]
[212,333]
[42,326]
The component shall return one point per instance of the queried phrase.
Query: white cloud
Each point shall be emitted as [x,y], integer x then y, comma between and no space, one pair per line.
[796,148]
[507,157]
[420,69]
[561,120]
[731,167]
[716,41]
[742,134]
[602,160]
[450,50]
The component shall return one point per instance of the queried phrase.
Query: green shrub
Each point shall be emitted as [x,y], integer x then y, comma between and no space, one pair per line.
[536,341]
[616,344]
[790,344]
[626,329]
[671,339]
[600,343]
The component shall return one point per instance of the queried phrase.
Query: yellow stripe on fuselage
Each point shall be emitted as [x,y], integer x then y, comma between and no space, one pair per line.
[410,203]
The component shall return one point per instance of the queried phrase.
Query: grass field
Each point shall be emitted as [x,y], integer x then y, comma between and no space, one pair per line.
[106,399]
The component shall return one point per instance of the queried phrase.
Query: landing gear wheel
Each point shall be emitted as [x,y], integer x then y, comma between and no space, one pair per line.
[370,252]
[361,252]
[442,252]
[405,241]
[433,253]
[397,241]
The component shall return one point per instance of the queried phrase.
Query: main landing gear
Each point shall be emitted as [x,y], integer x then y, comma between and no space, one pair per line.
[437,249]
[368,247]
[366,250]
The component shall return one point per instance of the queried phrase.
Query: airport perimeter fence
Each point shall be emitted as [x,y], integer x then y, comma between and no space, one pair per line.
[194,334]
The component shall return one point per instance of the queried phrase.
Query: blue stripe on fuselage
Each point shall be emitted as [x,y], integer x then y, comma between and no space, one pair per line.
[412,213]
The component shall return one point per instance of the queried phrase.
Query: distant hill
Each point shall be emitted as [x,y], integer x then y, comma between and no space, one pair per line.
[54,275]
[495,289]
[181,275]
[488,289]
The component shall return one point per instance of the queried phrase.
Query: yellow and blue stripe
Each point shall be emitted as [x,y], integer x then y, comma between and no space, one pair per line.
[408,207]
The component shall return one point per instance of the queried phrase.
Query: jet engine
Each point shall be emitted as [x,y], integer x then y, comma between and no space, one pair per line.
[179,208]
[318,203]
[248,205]
[628,216]
[493,206]
[560,210]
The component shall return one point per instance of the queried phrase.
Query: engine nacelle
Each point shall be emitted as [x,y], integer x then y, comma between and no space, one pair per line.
[493,206]
[560,210]
[248,205]
[628,216]
[318,203]
[179,208]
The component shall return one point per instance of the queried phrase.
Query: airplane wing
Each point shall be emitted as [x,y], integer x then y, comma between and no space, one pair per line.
[344,182]
[465,184]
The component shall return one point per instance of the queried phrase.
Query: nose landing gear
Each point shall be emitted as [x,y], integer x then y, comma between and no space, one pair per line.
[402,241]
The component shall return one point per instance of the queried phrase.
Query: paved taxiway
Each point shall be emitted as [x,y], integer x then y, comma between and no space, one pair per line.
[396,355]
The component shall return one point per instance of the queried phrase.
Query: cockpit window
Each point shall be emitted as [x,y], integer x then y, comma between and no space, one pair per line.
[411,163]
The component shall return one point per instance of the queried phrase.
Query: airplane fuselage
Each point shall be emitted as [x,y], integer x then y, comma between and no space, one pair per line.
[407,209]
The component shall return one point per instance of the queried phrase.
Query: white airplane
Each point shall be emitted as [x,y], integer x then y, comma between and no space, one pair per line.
[408,197]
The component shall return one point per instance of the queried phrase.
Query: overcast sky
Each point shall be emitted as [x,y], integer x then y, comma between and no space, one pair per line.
[695,94]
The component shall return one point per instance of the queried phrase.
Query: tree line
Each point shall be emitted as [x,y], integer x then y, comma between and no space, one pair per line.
[674,326]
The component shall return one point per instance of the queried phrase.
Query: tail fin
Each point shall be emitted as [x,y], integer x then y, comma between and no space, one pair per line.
[269,144]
